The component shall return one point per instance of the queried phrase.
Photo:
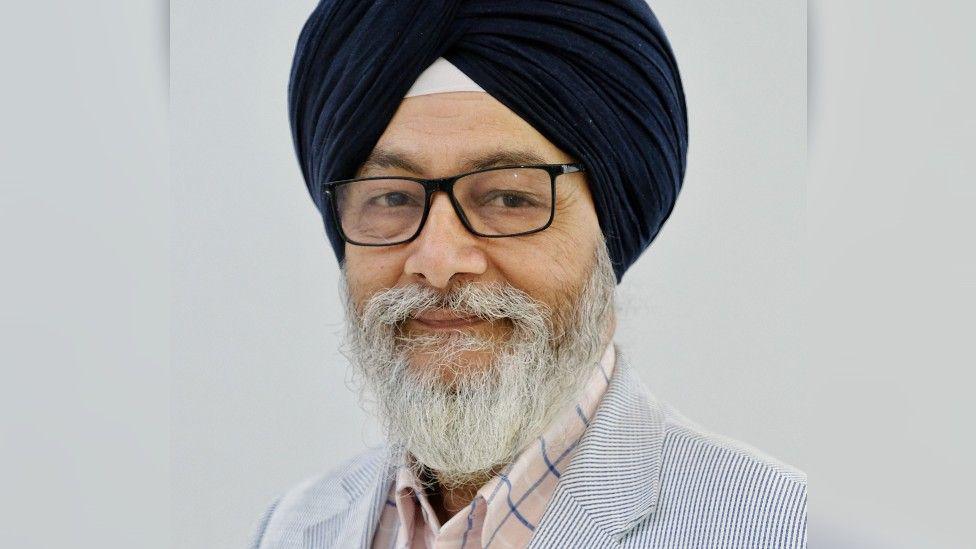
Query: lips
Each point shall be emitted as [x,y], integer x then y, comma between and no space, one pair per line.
[445,319]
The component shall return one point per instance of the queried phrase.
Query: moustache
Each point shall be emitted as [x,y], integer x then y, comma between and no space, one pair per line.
[488,301]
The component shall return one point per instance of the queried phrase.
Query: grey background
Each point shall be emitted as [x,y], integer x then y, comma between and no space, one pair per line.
[84,275]
[891,274]
[710,314]
[167,325]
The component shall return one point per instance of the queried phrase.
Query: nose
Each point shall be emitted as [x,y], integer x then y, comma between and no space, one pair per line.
[444,250]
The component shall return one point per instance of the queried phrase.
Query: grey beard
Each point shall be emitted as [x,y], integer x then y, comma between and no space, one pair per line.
[466,429]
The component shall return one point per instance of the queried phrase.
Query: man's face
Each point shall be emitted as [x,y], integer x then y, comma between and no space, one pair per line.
[470,345]
[442,135]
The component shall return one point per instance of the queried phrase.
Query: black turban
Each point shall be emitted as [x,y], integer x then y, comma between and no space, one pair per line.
[595,77]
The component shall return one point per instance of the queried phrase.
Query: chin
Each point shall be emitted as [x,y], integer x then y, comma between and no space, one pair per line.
[449,369]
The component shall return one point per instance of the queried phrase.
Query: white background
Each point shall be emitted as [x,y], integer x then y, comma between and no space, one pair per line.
[168,302]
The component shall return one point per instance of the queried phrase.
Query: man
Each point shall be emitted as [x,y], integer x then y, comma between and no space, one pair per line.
[487,171]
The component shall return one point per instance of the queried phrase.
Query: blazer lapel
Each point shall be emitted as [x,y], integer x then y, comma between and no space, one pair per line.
[615,475]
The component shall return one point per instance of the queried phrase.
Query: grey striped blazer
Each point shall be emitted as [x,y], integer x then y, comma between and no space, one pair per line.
[643,476]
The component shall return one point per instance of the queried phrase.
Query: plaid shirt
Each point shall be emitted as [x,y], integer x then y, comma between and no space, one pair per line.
[506,510]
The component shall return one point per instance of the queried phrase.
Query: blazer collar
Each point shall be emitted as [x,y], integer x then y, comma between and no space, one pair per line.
[615,475]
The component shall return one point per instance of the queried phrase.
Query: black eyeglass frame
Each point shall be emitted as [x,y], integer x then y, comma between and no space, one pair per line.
[446,185]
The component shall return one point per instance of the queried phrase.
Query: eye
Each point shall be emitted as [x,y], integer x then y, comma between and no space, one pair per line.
[514,200]
[508,199]
[394,199]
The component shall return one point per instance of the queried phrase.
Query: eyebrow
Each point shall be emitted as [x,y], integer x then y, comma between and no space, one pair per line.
[390,158]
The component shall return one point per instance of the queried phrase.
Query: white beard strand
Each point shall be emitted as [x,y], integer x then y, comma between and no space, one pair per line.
[468,428]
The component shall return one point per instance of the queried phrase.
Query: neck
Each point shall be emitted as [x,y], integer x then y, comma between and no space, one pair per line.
[448,500]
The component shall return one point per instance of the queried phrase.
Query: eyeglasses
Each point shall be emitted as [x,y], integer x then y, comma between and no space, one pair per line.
[494,202]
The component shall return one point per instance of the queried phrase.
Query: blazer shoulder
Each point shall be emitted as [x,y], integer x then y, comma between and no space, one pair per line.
[316,498]
[732,486]
[715,491]
[686,436]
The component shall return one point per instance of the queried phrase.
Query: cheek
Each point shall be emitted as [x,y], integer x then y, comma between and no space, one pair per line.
[546,264]
[369,271]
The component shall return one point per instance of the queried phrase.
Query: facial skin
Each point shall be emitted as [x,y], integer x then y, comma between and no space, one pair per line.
[441,134]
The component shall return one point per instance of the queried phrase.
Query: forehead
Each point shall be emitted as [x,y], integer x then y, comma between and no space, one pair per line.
[448,131]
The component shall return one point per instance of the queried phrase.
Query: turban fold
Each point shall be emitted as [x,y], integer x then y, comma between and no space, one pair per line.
[597,78]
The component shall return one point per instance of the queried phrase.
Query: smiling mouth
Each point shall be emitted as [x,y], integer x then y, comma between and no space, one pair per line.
[443,319]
